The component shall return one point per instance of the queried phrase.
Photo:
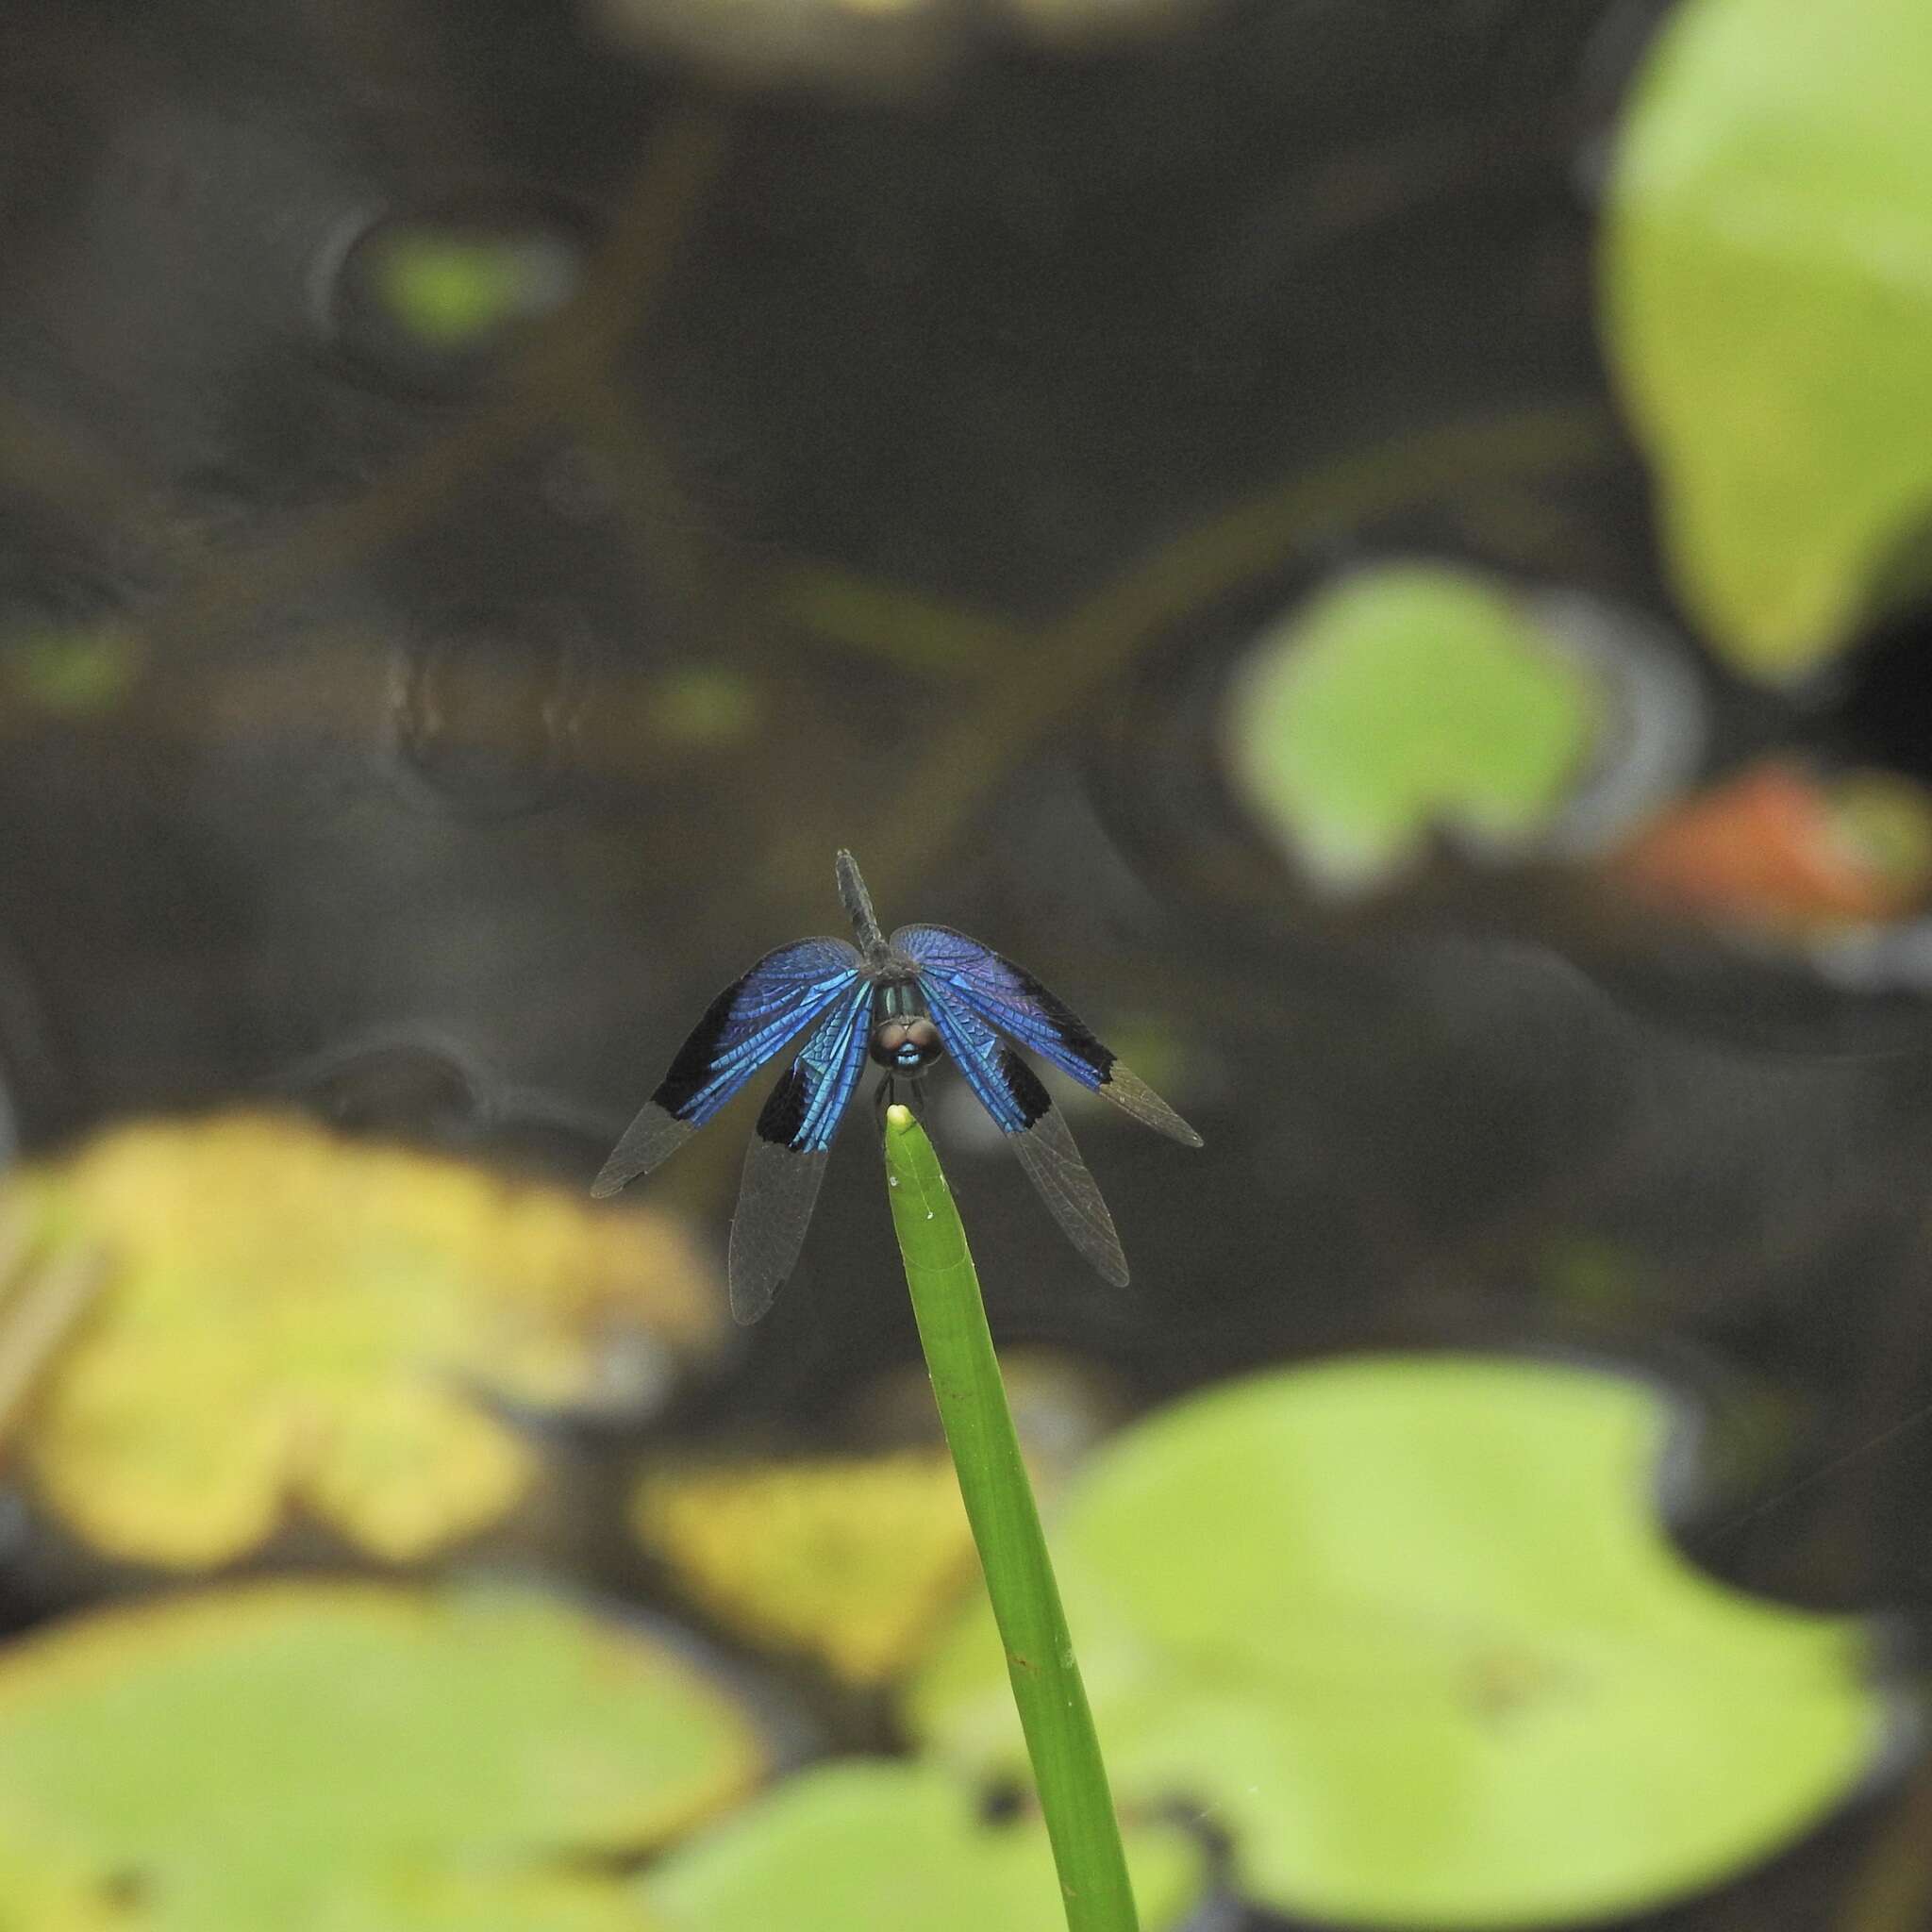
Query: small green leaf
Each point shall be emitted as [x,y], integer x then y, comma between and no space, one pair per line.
[865,1844]
[350,1756]
[453,290]
[1407,700]
[1767,302]
[72,674]
[1410,1631]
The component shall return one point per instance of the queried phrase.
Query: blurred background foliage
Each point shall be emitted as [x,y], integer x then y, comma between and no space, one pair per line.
[290,1324]
[1381,545]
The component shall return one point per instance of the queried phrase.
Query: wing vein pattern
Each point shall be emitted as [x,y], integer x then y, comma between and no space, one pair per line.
[1010,1090]
[1009,998]
[787,1157]
[743,1028]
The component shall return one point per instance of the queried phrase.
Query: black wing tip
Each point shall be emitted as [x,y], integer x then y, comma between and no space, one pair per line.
[607,1184]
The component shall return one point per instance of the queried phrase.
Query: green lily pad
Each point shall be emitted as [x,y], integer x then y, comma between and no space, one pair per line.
[874,1844]
[1410,1631]
[1409,700]
[1766,304]
[351,1757]
[454,290]
[44,1888]
[74,673]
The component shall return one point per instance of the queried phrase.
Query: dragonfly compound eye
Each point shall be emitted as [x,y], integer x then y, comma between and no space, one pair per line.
[905,1045]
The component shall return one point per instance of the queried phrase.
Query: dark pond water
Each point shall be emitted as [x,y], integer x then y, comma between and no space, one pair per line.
[904,463]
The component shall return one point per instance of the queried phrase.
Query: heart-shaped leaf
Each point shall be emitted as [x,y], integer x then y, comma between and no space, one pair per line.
[339,1756]
[1405,701]
[1410,1631]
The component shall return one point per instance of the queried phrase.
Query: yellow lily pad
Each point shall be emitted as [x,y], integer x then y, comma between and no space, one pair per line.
[296,1324]
[853,1560]
[352,1758]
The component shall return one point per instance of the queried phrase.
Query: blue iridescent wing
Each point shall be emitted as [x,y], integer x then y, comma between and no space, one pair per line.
[749,1022]
[788,1154]
[1010,1090]
[1009,999]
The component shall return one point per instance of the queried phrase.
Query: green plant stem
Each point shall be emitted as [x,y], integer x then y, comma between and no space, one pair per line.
[1067,1768]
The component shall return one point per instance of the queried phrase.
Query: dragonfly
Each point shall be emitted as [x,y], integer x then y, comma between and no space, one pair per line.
[903,1004]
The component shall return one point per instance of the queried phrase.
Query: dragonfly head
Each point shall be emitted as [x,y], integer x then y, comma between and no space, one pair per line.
[906,1044]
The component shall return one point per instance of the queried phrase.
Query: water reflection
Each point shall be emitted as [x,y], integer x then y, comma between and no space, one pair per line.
[415,1085]
[486,708]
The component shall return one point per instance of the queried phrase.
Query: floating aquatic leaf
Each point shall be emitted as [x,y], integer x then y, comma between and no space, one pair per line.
[853,1559]
[857,1560]
[408,1900]
[1765,305]
[70,673]
[354,1758]
[455,290]
[298,1323]
[1411,1630]
[45,1887]
[1406,701]
[1778,848]
[865,1844]
[40,1305]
